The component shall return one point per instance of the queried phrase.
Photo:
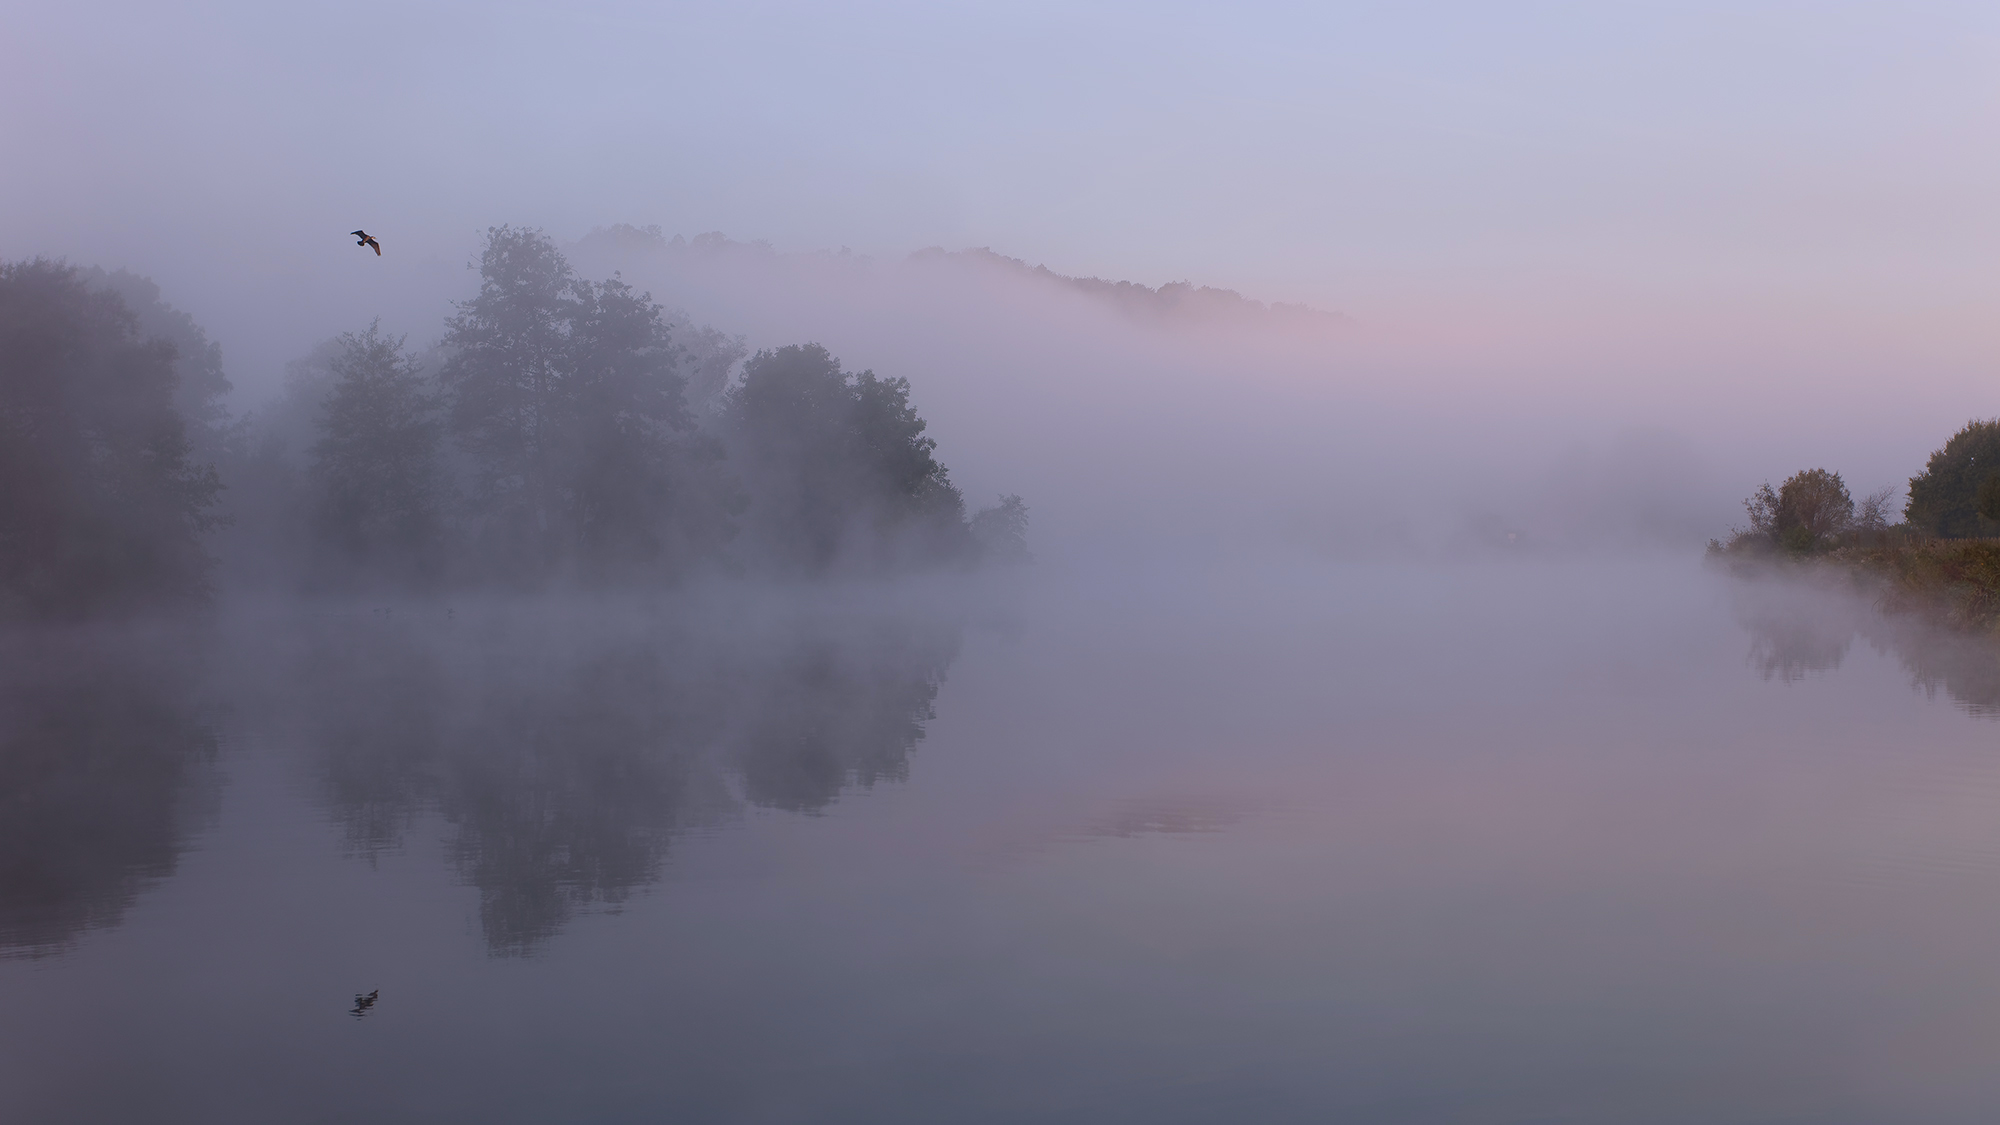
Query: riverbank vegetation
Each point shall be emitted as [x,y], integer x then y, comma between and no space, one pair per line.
[558,433]
[1941,560]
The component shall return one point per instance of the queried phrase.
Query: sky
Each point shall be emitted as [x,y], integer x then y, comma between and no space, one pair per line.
[1358,155]
[1776,203]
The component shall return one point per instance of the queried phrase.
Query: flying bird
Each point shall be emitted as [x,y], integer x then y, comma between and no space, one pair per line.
[363,238]
[363,1003]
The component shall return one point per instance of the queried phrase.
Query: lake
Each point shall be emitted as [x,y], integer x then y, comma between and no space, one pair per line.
[1261,840]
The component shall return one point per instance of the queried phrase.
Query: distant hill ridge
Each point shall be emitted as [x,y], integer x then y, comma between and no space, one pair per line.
[1175,300]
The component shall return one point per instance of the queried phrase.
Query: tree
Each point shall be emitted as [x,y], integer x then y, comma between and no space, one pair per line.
[505,375]
[643,487]
[1944,498]
[570,398]
[1811,507]
[376,481]
[1002,531]
[100,510]
[1872,513]
[269,541]
[1814,503]
[837,467]
[200,384]
[708,357]
[1986,501]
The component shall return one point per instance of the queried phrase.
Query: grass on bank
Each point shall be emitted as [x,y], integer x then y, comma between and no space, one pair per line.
[1953,581]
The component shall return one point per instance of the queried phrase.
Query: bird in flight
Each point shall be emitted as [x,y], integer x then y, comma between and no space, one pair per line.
[363,238]
[363,1003]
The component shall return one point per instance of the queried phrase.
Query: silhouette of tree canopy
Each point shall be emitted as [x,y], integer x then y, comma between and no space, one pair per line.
[837,467]
[1807,512]
[570,399]
[100,509]
[200,384]
[708,357]
[1002,531]
[578,456]
[377,485]
[1944,498]
[504,375]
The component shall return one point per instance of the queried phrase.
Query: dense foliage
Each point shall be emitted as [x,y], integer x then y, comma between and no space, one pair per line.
[378,494]
[1945,497]
[1808,508]
[1810,512]
[101,506]
[569,398]
[547,438]
[839,467]
[199,382]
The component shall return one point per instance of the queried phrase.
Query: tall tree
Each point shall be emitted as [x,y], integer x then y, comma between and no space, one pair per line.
[838,469]
[642,486]
[506,376]
[100,509]
[570,398]
[1944,498]
[375,473]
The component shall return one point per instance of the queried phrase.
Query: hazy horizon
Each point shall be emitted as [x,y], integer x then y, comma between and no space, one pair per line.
[1759,234]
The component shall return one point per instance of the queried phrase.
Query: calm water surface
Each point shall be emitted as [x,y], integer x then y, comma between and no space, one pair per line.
[1507,842]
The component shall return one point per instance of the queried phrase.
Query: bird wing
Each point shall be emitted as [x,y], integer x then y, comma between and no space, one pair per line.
[359,233]
[377,246]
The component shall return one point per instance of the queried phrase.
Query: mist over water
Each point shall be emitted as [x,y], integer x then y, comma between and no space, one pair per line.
[1549,838]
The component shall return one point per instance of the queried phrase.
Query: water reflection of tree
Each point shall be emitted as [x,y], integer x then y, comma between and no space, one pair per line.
[105,771]
[1796,629]
[566,792]
[835,711]
[566,764]
[1787,647]
[1966,667]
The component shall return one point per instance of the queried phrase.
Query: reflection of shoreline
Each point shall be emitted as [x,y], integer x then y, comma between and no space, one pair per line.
[564,748]
[566,758]
[106,771]
[1798,628]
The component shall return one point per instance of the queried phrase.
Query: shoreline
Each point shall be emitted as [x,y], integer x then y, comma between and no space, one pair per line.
[1950,582]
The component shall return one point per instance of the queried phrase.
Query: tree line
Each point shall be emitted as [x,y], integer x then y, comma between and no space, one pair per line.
[1957,496]
[559,431]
